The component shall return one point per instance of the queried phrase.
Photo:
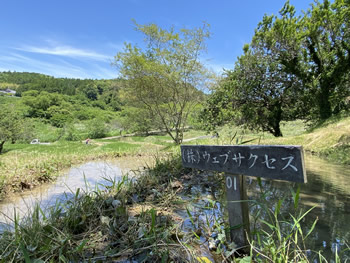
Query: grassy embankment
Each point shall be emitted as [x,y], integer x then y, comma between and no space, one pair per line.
[330,140]
[23,166]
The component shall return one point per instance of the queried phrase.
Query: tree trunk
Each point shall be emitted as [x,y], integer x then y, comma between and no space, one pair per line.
[277,131]
[179,136]
[1,146]
[276,119]
[324,105]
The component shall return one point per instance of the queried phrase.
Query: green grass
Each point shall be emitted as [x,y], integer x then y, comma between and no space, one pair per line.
[24,162]
[103,225]
[120,147]
[138,138]
[330,140]
[64,147]
[45,132]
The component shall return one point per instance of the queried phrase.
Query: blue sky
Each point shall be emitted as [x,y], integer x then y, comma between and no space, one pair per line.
[79,38]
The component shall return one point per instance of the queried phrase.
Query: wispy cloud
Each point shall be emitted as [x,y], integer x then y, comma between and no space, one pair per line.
[65,51]
[60,59]
[57,68]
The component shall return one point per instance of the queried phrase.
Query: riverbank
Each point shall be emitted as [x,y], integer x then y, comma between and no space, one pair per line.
[168,214]
[164,214]
[25,166]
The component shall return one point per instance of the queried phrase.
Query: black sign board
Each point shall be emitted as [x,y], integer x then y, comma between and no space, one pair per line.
[278,162]
[270,161]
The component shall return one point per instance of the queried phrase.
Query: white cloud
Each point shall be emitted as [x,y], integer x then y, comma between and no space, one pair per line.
[56,68]
[65,51]
[105,73]
[55,58]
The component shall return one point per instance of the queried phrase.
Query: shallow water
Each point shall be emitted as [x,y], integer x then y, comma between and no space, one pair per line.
[328,190]
[86,177]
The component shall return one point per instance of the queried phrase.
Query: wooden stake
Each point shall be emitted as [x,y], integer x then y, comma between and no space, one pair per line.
[237,210]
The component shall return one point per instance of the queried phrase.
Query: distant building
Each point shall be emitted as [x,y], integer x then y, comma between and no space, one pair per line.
[8,91]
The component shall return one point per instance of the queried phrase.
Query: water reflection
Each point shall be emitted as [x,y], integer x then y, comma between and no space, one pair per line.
[328,191]
[86,177]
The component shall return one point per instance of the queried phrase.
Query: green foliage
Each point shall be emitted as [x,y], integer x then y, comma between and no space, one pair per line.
[164,78]
[313,48]
[295,67]
[44,131]
[12,126]
[217,110]
[90,92]
[137,120]
[96,129]
[278,235]
[59,116]
[72,133]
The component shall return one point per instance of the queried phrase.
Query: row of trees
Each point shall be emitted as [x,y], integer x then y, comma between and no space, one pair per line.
[295,67]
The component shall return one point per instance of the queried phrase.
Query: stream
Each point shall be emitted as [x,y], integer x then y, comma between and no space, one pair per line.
[328,193]
[327,190]
[86,177]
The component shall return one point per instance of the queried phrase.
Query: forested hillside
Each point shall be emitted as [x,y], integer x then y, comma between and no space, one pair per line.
[72,109]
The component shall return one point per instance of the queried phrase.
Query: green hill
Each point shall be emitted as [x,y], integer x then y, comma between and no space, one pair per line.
[330,140]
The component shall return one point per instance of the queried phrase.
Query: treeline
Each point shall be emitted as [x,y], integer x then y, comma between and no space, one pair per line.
[296,67]
[42,91]
[104,90]
[75,108]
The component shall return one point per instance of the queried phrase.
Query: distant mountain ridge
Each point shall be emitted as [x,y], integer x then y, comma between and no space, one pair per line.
[24,81]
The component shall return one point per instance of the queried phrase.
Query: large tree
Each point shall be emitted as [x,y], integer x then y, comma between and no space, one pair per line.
[262,92]
[11,125]
[294,67]
[315,48]
[257,94]
[164,78]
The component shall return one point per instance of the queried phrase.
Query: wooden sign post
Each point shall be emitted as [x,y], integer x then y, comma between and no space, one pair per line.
[268,161]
